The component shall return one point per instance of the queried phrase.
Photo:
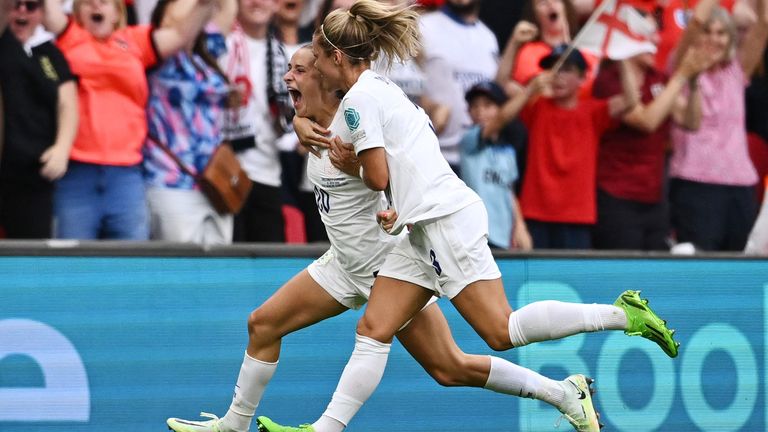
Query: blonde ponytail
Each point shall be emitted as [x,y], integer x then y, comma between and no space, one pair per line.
[369,28]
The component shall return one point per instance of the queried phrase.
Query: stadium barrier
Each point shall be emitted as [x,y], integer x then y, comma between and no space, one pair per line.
[119,336]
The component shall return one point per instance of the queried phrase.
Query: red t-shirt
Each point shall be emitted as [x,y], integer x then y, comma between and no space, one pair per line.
[529,56]
[674,20]
[112,91]
[559,183]
[630,163]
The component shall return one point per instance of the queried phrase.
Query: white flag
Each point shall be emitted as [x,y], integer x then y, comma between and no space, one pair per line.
[618,33]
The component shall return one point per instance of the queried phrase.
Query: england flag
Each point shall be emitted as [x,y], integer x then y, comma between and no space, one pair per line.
[618,31]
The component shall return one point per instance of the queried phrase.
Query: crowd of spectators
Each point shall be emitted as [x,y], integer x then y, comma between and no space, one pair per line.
[108,109]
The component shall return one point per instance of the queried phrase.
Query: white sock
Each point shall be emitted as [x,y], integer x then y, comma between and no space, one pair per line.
[509,378]
[549,319]
[253,379]
[360,378]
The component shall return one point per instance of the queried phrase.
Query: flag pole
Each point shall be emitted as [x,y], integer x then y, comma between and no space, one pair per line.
[572,45]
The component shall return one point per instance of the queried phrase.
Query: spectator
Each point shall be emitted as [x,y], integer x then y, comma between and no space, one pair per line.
[102,194]
[632,209]
[458,52]
[187,97]
[558,196]
[546,24]
[489,165]
[255,63]
[713,179]
[41,122]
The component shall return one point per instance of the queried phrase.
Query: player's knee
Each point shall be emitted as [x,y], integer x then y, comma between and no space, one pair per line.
[448,375]
[498,341]
[368,328]
[259,325]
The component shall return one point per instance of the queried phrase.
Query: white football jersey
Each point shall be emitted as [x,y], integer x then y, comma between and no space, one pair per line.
[348,210]
[378,114]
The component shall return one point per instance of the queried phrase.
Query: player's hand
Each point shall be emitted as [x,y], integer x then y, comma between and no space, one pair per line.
[343,157]
[311,135]
[386,219]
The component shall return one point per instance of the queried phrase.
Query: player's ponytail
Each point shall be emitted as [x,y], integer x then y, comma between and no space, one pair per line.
[369,28]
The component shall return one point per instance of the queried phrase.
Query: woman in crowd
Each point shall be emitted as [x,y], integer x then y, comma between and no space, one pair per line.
[102,194]
[713,178]
[188,96]
[632,206]
[446,251]
[546,24]
[40,100]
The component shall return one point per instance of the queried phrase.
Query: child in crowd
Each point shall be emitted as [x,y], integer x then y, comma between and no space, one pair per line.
[489,164]
[558,193]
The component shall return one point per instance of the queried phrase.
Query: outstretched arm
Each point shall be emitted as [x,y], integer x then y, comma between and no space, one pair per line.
[54,18]
[511,109]
[687,111]
[523,33]
[170,40]
[701,14]
[753,46]
[621,104]
[224,16]
[648,118]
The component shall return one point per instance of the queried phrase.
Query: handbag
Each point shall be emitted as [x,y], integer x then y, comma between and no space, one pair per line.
[222,181]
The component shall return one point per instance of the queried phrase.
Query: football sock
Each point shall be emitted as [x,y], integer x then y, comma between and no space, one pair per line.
[253,379]
[509,378]
[549,320]
[360,378]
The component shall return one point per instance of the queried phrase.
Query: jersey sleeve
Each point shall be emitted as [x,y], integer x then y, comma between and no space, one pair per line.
[601,115]
[363,121]
[59,63]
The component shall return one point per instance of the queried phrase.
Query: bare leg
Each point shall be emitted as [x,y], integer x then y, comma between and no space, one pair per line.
[299,303]
[484,305]
[428,339]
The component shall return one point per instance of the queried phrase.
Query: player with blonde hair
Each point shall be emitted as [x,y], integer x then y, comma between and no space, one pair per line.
[445,252]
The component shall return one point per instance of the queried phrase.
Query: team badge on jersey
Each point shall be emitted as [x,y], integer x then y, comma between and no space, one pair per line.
[352,118]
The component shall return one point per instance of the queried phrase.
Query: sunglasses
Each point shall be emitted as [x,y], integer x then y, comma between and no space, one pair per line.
[31,6]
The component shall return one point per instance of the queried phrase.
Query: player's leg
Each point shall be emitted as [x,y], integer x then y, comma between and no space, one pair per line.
[393,302]
[470,277]
[428,339]
[299,303]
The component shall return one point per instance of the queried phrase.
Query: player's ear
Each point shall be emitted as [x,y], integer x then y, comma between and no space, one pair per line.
[337,57]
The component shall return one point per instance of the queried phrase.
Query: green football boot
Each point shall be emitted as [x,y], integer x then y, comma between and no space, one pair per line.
[642,321]
[577,407]
[181,425]
[267,425]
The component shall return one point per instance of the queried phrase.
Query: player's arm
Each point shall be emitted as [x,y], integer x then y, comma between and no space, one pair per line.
[311,135]
[374,172]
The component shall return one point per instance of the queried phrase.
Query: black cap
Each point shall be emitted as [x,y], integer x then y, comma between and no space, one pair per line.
[575,58]
[487,88]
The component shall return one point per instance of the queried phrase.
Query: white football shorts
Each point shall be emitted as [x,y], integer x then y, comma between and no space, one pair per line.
[349,290]
[445,254]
